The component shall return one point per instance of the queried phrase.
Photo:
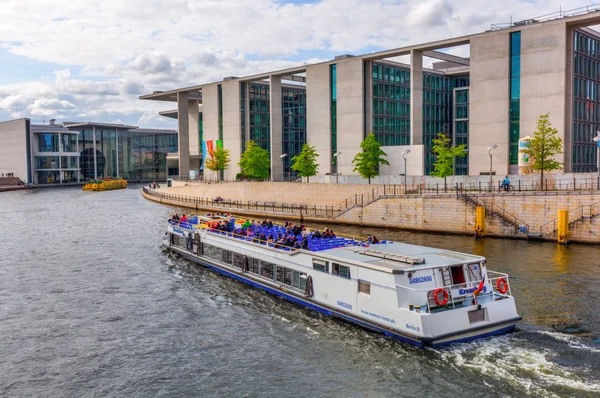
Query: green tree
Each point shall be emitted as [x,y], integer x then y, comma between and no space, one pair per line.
[543,146]
[218,161]
[444,157]
[367,162]
[305,163]
[255,162]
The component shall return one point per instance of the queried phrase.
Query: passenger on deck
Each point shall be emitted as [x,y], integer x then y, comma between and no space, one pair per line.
[270,223]
[296,244]
[332,234]
[326,234]
[270,239]
[316,235]
[176,217]
[183,218]
[264,224]
[369,240]
[305,243]
[262,237]
[305,232]
[375,240]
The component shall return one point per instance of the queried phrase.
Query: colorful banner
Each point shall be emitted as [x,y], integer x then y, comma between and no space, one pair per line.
[220,144]
[209,146]
[204,152]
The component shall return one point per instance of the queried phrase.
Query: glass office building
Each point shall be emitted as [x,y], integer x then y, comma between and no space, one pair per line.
[136,154]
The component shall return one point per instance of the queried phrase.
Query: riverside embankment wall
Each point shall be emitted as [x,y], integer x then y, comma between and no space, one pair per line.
[436,213]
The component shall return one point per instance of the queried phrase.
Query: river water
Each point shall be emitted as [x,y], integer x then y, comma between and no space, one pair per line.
[91,306]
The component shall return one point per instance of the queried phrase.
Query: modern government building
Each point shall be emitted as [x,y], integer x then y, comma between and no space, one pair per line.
[71,152]
[513,74]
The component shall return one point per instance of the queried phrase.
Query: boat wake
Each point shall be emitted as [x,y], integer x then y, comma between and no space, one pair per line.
[513,363]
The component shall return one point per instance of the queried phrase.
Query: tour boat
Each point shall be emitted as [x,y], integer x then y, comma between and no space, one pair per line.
[420,295]
[105,184]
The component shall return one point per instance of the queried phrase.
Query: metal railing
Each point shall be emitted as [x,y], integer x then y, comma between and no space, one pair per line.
[494,210]
[576,214]
[233,205]
[494,294]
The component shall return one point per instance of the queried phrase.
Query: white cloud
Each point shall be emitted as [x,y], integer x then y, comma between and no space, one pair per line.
[128,48]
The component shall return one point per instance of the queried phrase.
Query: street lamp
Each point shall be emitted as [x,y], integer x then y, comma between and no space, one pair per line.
[282,168]
[335,155]
[404,153]
[490,149]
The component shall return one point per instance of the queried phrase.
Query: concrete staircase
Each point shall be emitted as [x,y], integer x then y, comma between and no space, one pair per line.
[576,215]
[493,210]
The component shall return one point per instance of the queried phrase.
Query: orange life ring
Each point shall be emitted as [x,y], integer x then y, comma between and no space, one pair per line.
[437,292]
[502,285]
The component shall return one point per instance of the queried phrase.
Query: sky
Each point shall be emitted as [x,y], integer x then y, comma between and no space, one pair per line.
[91,60]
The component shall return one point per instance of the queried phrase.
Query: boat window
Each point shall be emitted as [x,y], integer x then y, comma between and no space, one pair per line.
[280,274]
[340,270]
[458,276]
[320,265]
[227,256]
[299,280]
[266,269]
[474,271]
[287,277]
[238,260]
[364,287]
[253,265]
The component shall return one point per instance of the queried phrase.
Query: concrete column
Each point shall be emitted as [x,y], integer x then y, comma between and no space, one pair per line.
[193,119]
[318,106]
[276,127]
[183,133]
[416,97]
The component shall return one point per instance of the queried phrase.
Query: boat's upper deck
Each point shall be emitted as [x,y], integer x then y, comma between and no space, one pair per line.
[386,256]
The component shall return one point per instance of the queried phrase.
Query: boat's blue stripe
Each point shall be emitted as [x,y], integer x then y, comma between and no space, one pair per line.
[328,312]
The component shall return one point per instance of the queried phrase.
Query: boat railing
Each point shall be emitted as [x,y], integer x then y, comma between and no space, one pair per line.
[253,239]
[465,293]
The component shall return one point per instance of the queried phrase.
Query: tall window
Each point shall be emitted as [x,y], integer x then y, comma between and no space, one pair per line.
[586,100]
[461,127]
[293,112]
[391,104]
[515,97]
[260,130]
[48,142]
[333,106]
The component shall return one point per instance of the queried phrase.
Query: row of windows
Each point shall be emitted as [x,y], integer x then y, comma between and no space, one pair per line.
[584,154]
[333,109]
[391,91]
[264,269]
[391,74]
[393,139]
[259,105]
[584,132]
[584,44]
[586,66]
[260,119]
[586,110]
[390,125]
[391,108]
[336,269]
[586,89]
[439,113]
[294,122]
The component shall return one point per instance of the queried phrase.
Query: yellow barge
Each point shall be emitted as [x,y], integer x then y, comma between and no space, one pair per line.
[105,184]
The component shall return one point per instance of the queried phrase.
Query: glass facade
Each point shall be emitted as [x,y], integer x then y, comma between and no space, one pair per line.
[333,109]
[48,142]
[143,154]
[437,112]
[586,101]
[515,97]
[139,154]
[46,162]
[391,104]
[260,122]
[220,104]
[294,125]
[200,131]
[391,108]
[69,142]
